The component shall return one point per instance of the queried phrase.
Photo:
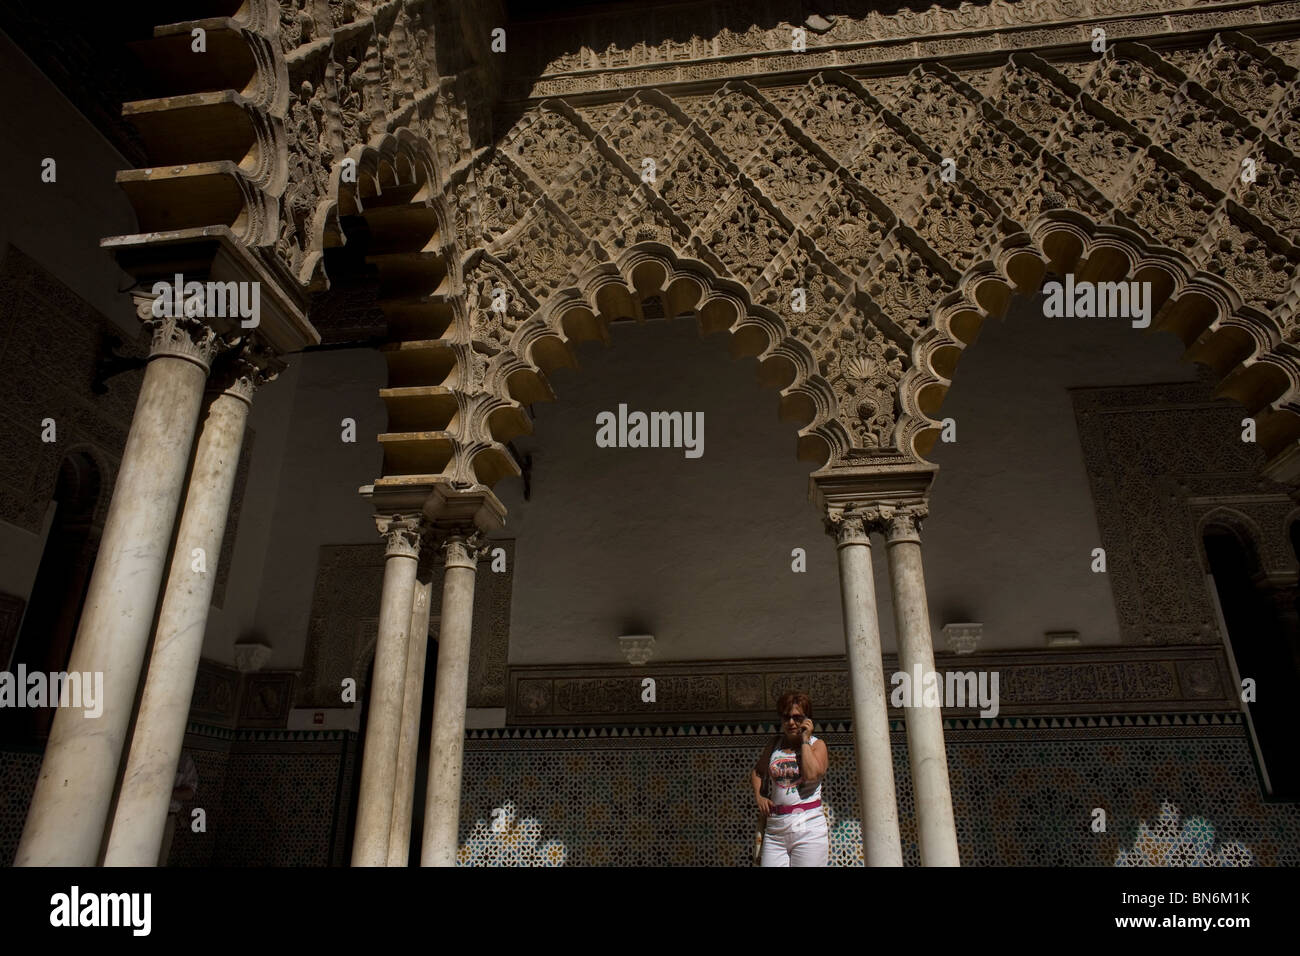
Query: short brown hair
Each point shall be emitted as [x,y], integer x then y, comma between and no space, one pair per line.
[794,697]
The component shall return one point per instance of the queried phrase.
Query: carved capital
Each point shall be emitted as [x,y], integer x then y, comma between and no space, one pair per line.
[854,524]
[180,337]
[248,366]
[904,524]
[403,534]
[848,528]
[464,549]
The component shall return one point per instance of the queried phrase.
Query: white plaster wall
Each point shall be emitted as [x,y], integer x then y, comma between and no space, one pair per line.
[1014,524]
[270,419]
[315,500]
[698,551]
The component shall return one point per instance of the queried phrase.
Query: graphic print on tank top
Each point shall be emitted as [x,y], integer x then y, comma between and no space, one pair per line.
[787,785]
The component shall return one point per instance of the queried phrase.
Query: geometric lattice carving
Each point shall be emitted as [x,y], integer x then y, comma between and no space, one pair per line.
[1128,161]
[1145,469]
[41,382]
[1139,144]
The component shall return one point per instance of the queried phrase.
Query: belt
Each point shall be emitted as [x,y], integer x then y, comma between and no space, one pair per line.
[798,806]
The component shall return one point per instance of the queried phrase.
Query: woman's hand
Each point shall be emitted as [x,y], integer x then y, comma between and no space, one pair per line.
[806,729]
[764,806]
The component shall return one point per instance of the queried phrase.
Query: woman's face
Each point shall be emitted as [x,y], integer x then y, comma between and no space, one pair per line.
[792,722]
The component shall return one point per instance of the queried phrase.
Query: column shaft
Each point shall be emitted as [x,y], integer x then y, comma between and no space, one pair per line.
[408,746]
[936,829]
[881,845]
[384,714]
[65,825]
[140,820]
[442,796]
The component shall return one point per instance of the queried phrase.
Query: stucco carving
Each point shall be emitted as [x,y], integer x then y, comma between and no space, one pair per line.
[1096,681]
[1151,517]
[914,201]
[35,310]
[795,190]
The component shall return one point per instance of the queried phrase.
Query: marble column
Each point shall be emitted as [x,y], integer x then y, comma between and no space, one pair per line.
[446,748]
[140,819]
[877,800]
[70,805]
[936,829]
[387,687]
[408,746]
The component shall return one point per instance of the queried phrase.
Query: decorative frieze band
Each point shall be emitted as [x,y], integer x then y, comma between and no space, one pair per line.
[838,733]
[225,697]
[1118,680]
[998,27]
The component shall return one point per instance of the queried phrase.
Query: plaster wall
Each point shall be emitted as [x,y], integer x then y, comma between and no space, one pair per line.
[315,498]
[698,551]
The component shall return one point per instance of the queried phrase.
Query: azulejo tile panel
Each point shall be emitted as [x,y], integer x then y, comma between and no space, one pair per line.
[196,849]
[18,772]
[1174,794]
[1177,791]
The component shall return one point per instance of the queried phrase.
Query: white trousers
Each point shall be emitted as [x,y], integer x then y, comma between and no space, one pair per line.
[797,839]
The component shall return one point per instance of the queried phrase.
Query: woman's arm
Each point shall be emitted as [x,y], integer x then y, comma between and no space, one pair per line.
[813,760]
[756,781]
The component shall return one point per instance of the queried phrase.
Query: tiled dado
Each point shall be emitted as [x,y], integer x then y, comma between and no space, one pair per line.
[271,797]
[1177,789]
[18,772]
[1113,680]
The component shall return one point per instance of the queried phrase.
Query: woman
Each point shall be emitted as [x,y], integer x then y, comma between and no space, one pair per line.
[790,769]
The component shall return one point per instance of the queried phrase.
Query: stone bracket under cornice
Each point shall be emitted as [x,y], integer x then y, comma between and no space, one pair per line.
[445,508]
[899,485]
[212,253]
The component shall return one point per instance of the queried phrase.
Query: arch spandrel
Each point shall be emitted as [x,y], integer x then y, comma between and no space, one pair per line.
[1064,182]
[1121,164]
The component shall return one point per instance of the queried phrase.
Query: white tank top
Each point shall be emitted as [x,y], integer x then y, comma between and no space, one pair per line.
[788,787]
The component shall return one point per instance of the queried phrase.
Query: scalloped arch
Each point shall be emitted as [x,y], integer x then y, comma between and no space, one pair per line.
[615,290]
[398,169]
[1203,310]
